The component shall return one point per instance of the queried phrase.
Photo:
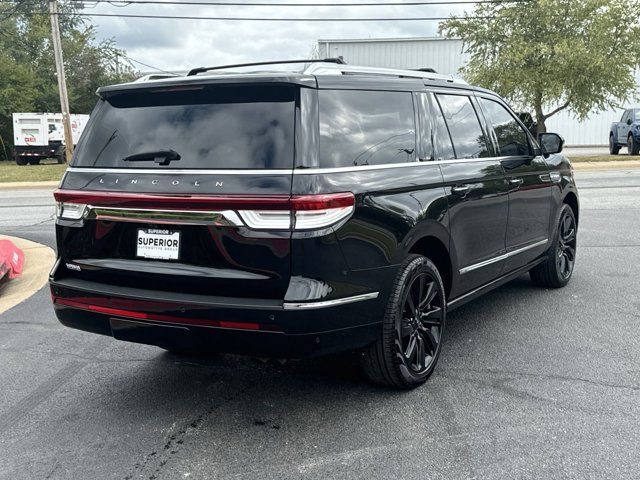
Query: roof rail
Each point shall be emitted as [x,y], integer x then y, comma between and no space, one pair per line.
[343,69]
[196,71]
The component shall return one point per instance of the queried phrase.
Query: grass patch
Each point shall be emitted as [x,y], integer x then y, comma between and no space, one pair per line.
[602,158]
[10,172]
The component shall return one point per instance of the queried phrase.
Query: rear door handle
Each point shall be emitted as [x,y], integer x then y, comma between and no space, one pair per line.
[461,190]
[516,182]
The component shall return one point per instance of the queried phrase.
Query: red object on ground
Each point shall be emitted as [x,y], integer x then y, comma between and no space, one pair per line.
[11,259]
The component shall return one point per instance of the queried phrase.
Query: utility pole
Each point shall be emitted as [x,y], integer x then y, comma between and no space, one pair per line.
[62,81]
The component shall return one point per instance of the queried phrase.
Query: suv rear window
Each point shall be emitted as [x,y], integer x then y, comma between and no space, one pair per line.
[366,128]
[208,126]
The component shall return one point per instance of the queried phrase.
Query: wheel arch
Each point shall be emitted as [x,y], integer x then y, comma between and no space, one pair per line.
[571,199]
[436,250]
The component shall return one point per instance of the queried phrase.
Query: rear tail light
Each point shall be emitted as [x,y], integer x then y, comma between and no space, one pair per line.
[70,211]
[275,212]
[306,212]
[319,211]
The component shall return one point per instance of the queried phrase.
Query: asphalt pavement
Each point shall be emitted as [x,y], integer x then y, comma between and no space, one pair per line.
[532,383]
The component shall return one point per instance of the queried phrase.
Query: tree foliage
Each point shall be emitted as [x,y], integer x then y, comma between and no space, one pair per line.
[28,80]
[551,55]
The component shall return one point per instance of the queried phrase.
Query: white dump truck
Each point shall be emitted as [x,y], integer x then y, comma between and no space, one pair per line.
[37,136]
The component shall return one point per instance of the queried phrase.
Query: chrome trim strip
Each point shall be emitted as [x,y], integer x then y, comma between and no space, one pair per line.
[461,300]
[305,171]
[177,171]
[504,256]
[328,303]
[169,217]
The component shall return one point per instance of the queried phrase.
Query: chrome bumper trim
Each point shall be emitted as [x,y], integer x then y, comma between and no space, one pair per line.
[169,217]
[329,303]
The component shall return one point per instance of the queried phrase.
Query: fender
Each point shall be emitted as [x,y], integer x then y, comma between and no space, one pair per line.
[418,241]
[430,228]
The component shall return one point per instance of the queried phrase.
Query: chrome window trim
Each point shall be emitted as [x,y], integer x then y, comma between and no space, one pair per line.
[504,256]
[305,171]
[176,171]
[329,303]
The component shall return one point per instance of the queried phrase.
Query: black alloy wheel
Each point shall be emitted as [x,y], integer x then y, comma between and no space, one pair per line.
[566,245]
[557,269]
[419,326]
[413,326]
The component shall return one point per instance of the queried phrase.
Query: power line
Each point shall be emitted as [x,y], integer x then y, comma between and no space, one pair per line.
[144,64]
[268,19]
[125,3]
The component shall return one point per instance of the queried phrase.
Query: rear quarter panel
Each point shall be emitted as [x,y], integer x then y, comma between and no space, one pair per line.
[395,207]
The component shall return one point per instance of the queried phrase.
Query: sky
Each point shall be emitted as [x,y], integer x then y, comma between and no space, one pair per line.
[171,44]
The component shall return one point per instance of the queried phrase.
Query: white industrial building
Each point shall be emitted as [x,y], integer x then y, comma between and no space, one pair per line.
[447,56]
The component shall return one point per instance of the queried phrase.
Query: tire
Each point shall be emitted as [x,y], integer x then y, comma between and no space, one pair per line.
[613,147]
[633,147]
[21,161]
[61,155]
[557,269]
[407,351]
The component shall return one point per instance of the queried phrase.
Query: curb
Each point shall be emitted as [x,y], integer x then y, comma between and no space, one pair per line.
[613,165]
[38,260]
[44,184]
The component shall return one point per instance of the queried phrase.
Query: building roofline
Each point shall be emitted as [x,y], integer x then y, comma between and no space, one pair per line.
[393,39]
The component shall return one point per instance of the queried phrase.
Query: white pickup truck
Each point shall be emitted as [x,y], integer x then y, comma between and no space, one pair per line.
[37,136]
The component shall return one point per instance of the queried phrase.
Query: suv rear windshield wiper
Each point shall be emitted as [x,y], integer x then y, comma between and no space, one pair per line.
[161,157]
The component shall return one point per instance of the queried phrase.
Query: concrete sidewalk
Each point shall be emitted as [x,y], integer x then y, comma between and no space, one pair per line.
[14,185]
[37,264]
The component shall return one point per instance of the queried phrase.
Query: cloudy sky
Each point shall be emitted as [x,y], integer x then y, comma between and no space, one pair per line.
[180,44]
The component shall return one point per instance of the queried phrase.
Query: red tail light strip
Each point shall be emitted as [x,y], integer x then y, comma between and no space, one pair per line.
[173,202]
[322,201]
[159,317]
[206,202]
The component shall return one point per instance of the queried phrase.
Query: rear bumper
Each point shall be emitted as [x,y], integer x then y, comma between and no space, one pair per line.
[42,151]
[245,326]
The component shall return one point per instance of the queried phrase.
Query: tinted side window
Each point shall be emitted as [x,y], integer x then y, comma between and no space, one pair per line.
[366,128]
[512,139]
[464,126]
[441,138]
[625,116]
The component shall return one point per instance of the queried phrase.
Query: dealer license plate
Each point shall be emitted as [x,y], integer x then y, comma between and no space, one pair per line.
[158,244]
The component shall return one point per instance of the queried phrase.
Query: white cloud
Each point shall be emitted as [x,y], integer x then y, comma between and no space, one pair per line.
[182,44]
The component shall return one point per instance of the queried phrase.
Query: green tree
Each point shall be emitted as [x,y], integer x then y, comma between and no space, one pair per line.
[552,55]
[28,79]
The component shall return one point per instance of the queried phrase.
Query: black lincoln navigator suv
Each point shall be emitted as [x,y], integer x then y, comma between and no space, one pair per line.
[305,211]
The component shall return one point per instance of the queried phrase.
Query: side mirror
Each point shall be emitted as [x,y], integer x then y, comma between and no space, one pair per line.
[628,121]
[551,143]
